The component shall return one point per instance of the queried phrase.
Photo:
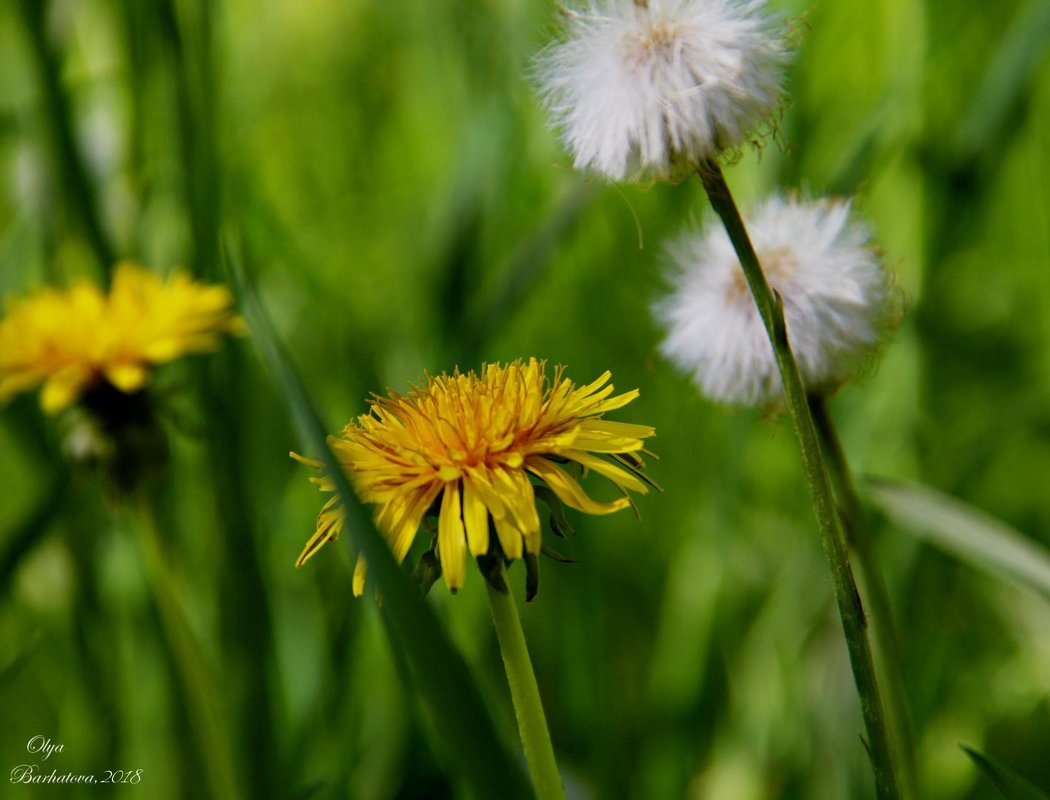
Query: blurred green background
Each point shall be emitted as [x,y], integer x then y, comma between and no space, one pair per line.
[403,208]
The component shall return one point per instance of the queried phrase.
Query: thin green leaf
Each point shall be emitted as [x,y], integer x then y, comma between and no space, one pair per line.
[438,670]
[964,531]
[1011,785]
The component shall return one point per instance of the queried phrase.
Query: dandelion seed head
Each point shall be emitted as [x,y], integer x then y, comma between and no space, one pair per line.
[818,258]
[645,89]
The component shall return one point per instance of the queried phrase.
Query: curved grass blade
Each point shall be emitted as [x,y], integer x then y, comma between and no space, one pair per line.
[1011,785]
[438,670]
[964,531]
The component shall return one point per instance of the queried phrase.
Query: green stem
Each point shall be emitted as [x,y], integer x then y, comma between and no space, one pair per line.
[532,723]
[190,669]
[880,613]
[851,610]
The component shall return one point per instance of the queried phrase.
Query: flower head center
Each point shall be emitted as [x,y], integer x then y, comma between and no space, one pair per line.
[456,422]
[656,43]
[779,264]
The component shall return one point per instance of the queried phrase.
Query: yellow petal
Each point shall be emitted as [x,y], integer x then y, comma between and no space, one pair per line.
[401,527]
[129,378]
[482,481]
[590,388]
[521,500]
[167,349]
[316,463]
[62,389]
[452,541]
[11,385]
[360,571]
[600,436]
[475,518]
[509,536]
[568,490]
[602,427]
[329,525]
[618,476]
[613,403]
[312,546]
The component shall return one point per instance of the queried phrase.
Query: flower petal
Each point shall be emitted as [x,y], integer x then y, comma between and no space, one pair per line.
[452,540]
[62,389]
[613,403]
[568,490]
[475,518]
[329,526]
[509,536]
[399,518]
[521,500]
[360,572]
[129,378]
[620,477]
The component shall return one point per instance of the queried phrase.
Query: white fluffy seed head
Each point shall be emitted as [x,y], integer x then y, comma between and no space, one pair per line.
[646,88]
[836,296]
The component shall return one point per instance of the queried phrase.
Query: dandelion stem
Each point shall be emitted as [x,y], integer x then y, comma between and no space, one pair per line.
[851,610]
[190,669]
[880,614]
[532,723]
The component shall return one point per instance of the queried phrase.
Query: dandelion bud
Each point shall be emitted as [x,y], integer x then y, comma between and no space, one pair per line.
[648,88]
[829,278]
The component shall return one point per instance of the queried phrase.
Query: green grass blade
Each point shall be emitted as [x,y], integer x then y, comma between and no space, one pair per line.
[30,531]
[439,671]
[526,268]
[71,173]
[1011,785]
[965,532]
[197,688]
[1007,78]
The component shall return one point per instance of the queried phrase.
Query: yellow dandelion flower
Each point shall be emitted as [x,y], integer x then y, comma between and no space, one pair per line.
[72,341]
[471,446]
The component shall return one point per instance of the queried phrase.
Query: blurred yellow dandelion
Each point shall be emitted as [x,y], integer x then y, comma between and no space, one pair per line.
[71,341]
[470,446]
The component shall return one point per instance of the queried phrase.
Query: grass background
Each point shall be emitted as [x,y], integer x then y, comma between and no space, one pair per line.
[402,209]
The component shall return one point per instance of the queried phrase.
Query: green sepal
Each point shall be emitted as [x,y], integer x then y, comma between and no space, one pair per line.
[428,570]
[558,521]
[554,555]
[636,467]
[490,567]
[532,576]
